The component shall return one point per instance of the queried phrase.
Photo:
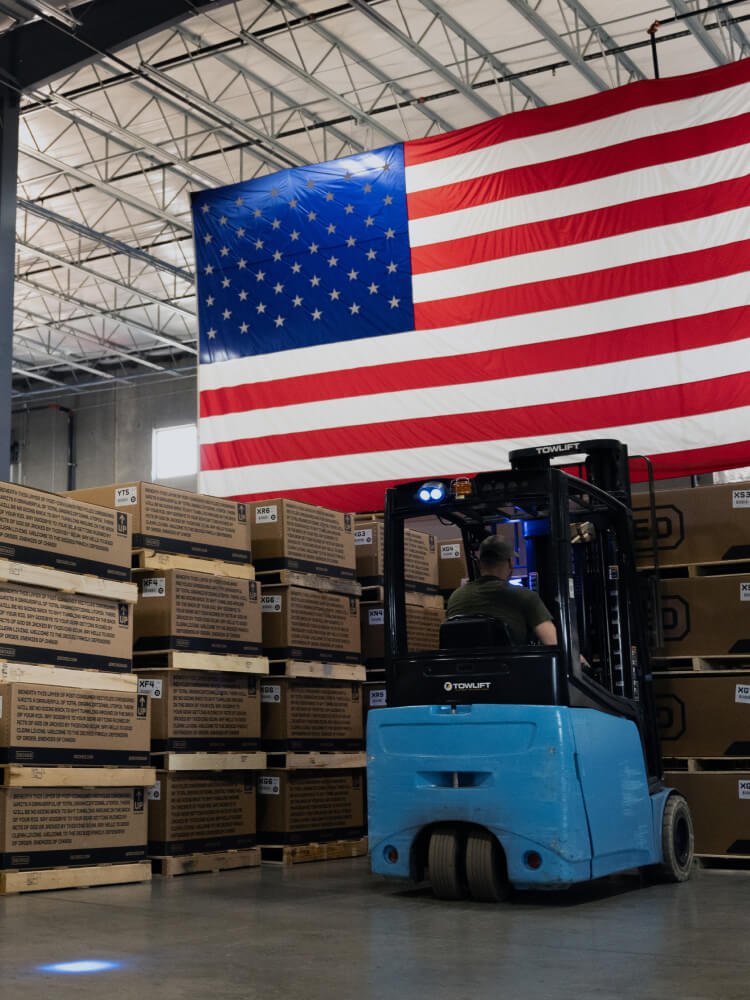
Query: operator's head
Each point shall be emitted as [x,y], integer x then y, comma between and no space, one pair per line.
[496,557]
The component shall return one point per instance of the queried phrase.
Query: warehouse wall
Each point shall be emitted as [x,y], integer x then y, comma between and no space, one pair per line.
[112,439]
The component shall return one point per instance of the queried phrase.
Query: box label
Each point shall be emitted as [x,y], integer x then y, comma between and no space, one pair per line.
[270,694]
[153,794]
[270,785]
[376,616]
[742,694]
[363,536]
[450,551]
[266,515]
[378,698]
[744,789]
[270,603]
[740,498]
[1,706]
[151,686]
[154,586]
[745,591]
[126,496]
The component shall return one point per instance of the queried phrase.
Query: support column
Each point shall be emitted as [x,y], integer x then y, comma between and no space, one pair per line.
[8,181]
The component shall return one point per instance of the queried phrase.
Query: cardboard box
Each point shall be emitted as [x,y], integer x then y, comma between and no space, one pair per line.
[705,615]
[288,534]
[201,811]
[41,724]
[178,609]
[307,624]
[703,714]
[701,525]
[296,807]
[311,714]
[420,557]
[720,806]
[64,630]
[452,568]
[49,530]
[202,711]
[178,521]
[422,628]
[50,827]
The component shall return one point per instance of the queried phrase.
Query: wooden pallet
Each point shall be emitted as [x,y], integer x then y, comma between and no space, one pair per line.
[722,567]
[23,776]
[317,760]
[247,761]
[179,659]
[74,878]
[217,861]
[295,854]
[295,578]
[314,668]
[88,680]
[713,764]
[153,559]
[377,515]
[731,864]
[729,662]
[68,583]
[376,593]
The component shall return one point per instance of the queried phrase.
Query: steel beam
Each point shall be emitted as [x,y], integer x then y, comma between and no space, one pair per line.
[118,246]
[63,358]
[699,32]
[8,174]
[607,41]
[567,51]
[18,370]
[354,54]
[499,67]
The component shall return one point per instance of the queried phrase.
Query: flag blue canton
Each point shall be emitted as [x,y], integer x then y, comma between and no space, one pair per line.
[309,255]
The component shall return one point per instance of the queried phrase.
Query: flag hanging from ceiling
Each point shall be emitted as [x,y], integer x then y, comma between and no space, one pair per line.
[580,270]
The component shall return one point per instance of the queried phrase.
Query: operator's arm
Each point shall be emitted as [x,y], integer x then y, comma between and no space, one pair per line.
[546,633]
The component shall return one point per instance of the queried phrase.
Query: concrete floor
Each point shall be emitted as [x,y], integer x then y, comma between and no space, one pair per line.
[331,931]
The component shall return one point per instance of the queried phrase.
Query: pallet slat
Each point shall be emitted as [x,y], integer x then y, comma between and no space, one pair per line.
[334,850]
[69,583]
[87,680]
[193,864]
[251,761]
[295,578]
[727,662]
[177,659]
[315,668]
[20,776]
[152,559]
[376,592]
[317,760]
[74,878]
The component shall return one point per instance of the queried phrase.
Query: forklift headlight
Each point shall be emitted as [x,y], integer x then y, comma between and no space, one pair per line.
[432,492]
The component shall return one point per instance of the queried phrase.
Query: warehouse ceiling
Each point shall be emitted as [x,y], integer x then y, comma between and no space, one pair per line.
[111,149]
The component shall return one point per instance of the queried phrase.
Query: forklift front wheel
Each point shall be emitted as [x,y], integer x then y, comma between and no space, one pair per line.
[445,863]
[677,841]
[485,868]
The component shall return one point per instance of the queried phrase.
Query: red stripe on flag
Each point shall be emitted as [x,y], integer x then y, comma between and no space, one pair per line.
[527,359]
[573,416]
[592,165]
[629,217]
[609,283]
[537,121]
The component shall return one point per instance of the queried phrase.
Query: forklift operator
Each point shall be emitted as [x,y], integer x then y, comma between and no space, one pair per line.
[490,594]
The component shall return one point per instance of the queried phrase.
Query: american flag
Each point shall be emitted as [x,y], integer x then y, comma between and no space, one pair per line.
[422,309]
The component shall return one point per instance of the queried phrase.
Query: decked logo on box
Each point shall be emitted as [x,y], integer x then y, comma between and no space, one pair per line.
[252,589]
[139,799]
[142,706]
[122,523]
[347,522]
[123,614]
[432,542]
[242,513]
[353,605]
[126,496]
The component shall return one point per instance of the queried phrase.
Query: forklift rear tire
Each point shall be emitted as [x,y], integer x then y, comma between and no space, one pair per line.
[485,868]
[445,863]
[677,841]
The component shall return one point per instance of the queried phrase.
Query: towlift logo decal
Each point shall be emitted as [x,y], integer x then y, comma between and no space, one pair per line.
[467,685]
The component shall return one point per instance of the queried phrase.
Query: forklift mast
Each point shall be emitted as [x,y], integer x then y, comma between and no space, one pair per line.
[580,543]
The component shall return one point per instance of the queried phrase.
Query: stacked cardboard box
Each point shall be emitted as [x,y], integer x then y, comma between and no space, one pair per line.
[73,742]
[197,643]
[703,536]
[311,706]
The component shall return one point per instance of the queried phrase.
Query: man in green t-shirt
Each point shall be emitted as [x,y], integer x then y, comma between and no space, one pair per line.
[490,594]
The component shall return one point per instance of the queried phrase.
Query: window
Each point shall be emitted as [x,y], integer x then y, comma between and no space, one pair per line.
[174,452]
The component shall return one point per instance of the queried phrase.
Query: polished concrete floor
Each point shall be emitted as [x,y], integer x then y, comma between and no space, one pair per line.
[330,930]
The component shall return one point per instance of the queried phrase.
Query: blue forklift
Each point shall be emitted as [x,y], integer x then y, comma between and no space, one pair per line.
[533,767]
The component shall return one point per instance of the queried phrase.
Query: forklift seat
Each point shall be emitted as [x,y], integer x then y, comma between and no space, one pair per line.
[468,631]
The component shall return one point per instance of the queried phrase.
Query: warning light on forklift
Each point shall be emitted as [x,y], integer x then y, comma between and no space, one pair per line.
[461,488]
[532,860]
[431,492]
[391,855]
